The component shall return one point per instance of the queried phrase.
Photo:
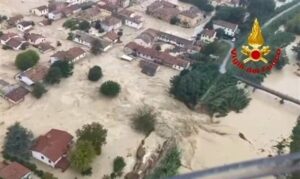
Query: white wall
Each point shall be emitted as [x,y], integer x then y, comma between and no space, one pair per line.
[43,158]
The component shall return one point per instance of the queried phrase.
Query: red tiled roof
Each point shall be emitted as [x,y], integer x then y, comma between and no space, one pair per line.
[7,36]
[14,171]
[17,94]
[75,52]
[37,73]
[54,144]
[112,35]
[109,21]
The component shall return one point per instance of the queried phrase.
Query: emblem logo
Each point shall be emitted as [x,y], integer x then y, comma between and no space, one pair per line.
[255,51]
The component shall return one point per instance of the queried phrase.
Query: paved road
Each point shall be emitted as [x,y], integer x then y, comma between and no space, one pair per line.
[222,68]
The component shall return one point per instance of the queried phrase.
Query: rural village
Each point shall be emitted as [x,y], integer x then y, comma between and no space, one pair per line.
[54,54]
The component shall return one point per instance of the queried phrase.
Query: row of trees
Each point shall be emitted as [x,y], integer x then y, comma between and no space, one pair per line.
[293,25]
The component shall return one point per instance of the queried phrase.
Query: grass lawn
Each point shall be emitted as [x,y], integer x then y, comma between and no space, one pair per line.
[222,51]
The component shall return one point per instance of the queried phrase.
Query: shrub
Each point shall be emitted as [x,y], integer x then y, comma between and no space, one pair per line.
[174,20]
[38,90]
[110,88]
[87,172]
[27,59]
[65,67]
[95,73]
[53,76]
[168,166]
[144,120]
[119,164]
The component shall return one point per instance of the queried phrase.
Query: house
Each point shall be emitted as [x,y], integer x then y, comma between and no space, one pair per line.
[130,19]
[175,40]
[229,28]
[45,47]
[40,11]
[163,10]
[208,36]
[155,56]
[34,38]
[52,148]
[112,36]
[16,43]
[12,21]
[76,53]
[189,18]
[45,22]
[73,54]
[70,10]
[7,36]
[149,68]
[14,170]
[25,25]
[55,15]
[16,94]
[73,1]
[147,38]
[87,40]
[108,8]
[111,23]
[33,75]
[91,14]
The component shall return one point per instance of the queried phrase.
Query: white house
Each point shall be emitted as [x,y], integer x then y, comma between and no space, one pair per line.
[40,11]
[229,28]
[111,23]
[86,39]
[208,36]
[55,15]
[52,148]
[134,22]
[24,25]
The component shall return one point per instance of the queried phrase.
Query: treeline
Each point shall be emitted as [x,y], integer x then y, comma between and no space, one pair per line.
[203,86]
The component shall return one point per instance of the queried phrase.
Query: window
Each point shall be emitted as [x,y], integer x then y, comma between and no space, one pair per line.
[42,157]
[49,161]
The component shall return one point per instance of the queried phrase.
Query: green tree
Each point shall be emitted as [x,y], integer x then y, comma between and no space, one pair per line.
[65,67]
[110,88]
[84,25]
[210,48]
[174,20]
[94,133]
[280,39]
[261,8]
[119,164]
[293,25]
[53,76]
[144,120]
[82,156]
[220,33]
[231,14]
[70,36]
[71,24]
[169,165]
[48,176]
[27,59]
[38,90]
[17,142]
[96,47]
[95,73]
[295,145]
